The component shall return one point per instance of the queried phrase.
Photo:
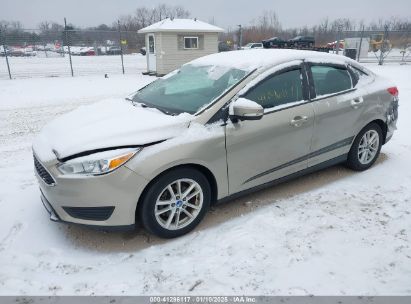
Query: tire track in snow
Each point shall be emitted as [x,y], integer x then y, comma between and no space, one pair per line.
[8,239]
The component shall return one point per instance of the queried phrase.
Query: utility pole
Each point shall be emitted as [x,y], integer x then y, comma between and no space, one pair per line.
[338,38]
[5,51]
[359,48]
[121,45]
[68,46]
[240,35]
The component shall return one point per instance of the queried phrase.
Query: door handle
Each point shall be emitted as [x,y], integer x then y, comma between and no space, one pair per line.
[355,103]
[298,121]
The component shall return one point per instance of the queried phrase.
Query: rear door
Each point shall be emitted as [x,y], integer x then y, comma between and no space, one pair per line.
[262,150]
[337,106]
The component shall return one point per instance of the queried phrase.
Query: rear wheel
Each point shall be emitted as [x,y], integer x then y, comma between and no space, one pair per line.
[175,203]
[366,148]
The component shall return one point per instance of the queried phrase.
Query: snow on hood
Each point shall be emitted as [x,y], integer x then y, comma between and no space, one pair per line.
[106,124]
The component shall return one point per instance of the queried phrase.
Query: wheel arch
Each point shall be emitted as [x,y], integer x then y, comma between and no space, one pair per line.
[383,127]
[204,170]
[380,122]
[353,161]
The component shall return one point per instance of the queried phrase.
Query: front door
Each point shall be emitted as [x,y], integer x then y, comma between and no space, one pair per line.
[151,53]
[278,144]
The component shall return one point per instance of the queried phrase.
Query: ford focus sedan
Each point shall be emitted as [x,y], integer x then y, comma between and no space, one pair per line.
[220,126]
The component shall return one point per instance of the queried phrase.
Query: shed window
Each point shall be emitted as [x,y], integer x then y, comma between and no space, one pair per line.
[191,42]
[151,44]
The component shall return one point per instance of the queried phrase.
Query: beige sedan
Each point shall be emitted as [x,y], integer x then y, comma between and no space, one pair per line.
[220,126]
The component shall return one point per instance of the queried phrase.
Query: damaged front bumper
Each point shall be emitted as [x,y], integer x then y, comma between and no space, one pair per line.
[107,201]
[53,215]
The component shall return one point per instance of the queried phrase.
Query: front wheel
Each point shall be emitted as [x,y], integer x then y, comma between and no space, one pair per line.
[366,148]
[175,203]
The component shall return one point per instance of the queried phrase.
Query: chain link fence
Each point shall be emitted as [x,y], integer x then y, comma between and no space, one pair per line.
[377,46]
[33,53]
[70,52]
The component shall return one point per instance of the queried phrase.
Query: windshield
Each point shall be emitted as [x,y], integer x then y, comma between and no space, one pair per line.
[189,89]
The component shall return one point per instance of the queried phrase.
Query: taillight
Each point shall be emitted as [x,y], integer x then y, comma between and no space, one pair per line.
[393,91]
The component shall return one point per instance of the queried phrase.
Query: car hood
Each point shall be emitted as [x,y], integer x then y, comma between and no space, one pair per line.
[103,125]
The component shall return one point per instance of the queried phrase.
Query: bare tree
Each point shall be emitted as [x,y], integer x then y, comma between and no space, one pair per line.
[180,12]
[44,26]
[144,16]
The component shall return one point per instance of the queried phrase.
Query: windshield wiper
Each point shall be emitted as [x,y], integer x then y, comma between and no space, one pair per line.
[165,111]
[143,105]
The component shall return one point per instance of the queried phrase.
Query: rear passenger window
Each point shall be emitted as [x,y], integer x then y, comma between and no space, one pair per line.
[330,79]
[358,75]
[277,90]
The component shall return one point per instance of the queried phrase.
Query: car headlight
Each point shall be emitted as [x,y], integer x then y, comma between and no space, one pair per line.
[98,163]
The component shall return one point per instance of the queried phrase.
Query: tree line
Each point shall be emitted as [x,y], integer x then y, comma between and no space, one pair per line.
[265,26]
[51,31]
[268,25]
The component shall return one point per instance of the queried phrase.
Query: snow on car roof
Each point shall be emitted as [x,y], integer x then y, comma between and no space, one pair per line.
[186,25]
[254,59]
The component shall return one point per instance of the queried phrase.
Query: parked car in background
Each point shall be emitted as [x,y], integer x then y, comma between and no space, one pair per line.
[114,50]
[74,50]
[302,41]
[22,52]
[223,46]
[252,45]
[222,125]
[29,52]
[4,51]
[332,45]
[81,50]
[275,42]
[87,51]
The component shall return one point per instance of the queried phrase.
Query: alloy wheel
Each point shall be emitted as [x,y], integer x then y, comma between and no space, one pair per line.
[368,147]
[178,204]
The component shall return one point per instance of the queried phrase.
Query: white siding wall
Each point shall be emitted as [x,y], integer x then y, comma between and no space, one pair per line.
[171,55]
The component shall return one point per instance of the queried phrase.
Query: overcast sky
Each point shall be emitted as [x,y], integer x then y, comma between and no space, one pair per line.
[226,13]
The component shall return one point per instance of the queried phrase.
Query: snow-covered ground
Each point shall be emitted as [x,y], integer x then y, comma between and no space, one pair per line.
[57,66]
[331,232]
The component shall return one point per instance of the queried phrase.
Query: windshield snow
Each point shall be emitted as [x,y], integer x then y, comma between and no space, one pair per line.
[189,89]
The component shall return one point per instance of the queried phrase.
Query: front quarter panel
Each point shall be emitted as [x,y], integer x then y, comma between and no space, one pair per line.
[199,144]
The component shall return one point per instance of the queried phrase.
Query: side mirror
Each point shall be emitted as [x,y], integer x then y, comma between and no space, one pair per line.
[245,109]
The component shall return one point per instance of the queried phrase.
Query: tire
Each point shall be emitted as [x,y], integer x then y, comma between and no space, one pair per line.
[360,161]
[159,200]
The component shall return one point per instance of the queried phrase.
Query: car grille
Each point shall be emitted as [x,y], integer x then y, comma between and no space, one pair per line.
[42,172]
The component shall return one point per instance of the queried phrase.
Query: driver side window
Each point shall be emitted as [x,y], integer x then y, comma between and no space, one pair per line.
[278,89]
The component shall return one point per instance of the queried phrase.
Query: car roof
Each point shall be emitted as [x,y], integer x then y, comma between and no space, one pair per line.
[263,58]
